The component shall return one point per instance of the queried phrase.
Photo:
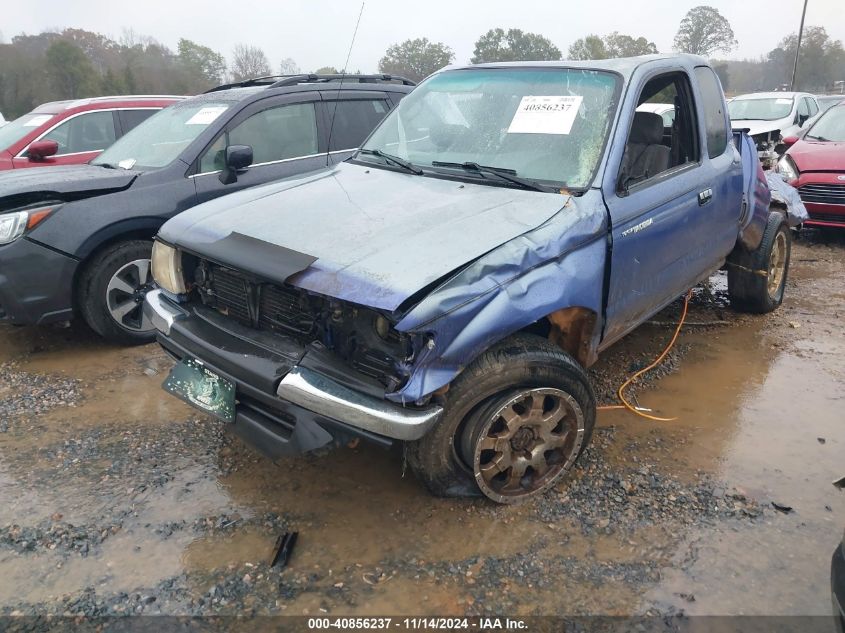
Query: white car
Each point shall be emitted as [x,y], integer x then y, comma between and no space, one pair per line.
[665,110]
[771,117]
[3,121]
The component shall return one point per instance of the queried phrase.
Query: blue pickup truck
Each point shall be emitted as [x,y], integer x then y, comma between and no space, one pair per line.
[447,286]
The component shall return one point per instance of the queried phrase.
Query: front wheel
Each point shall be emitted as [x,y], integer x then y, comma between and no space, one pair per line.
[757,279]
[112,290]
[514,423]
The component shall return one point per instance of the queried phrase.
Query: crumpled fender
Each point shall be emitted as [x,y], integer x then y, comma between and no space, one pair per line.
[786,197]
[559,264]
[756,193]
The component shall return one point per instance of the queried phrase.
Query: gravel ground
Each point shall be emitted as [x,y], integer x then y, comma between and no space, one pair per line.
[87,486]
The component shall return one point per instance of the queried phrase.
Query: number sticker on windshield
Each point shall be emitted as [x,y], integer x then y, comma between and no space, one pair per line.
[206,115]
[545,115]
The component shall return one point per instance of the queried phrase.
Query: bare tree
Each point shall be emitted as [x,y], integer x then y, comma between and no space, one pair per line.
[249,62]
[289,67]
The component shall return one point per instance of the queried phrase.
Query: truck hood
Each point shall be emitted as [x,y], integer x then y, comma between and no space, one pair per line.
[812,155]
[66,182]
[366,235]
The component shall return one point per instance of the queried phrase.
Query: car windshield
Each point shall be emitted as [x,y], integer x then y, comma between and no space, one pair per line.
[15,130]
[547,125]
[160,139]
[769,109]
[829,127]
[826,103]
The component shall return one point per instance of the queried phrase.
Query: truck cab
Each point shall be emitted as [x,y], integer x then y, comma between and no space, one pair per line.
[449,284]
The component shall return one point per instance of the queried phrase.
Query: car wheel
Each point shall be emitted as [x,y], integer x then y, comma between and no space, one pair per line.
[515,420]
[112,290]
[757,279]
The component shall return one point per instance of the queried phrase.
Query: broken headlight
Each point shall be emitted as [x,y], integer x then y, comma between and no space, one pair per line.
[167,268]
[15,224]
[788,168]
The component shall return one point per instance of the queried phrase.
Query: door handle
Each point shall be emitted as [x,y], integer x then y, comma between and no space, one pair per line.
[704,196]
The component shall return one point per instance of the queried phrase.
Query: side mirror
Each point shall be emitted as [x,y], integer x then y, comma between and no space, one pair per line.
[39,150]
[238,158]
[802,119]
[789,141]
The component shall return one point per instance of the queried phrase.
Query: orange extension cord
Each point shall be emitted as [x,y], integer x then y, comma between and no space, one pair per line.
[621,392]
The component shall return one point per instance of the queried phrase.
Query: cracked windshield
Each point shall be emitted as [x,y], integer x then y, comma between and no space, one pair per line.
[547,125]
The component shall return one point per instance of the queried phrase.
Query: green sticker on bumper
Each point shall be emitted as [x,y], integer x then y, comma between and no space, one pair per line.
[197,385]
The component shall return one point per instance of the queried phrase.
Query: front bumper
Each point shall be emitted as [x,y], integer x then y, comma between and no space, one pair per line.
[36,283]
[825,215]
[290,398]
[837,586]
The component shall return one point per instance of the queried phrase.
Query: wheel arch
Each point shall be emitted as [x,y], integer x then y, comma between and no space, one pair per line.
[134,229]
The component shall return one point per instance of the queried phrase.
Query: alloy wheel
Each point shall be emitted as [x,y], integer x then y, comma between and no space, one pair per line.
[125,295]
[777,265]
[524,444]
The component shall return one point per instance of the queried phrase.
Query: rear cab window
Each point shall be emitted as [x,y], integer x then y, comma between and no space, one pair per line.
[713,107]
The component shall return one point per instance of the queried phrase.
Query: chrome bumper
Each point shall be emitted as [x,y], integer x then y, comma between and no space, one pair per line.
[161,312]
[320,394]
[324,396]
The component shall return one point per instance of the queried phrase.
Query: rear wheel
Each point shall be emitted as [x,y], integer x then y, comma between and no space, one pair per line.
[112,291]
[757,279]
[514,422]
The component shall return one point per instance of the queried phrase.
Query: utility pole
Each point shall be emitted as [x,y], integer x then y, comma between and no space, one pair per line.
[798,48]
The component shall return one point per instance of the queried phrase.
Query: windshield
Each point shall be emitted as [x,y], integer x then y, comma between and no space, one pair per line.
[547,125]
[829,127]
[160,139]
[760,109]
[14,131]
[826,103]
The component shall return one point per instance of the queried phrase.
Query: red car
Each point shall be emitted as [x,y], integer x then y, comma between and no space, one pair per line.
[70,132]
[815,165]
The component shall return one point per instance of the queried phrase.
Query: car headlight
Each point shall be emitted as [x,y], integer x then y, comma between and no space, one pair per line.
[787,167]
[167,268]
[15,224]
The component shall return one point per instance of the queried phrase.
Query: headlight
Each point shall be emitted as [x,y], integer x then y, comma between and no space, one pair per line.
[167,268]
[13,225]
[786,166]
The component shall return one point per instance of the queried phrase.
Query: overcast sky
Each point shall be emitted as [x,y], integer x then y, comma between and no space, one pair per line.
[317,32]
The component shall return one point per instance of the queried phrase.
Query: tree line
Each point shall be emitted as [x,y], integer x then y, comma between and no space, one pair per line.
[76,63]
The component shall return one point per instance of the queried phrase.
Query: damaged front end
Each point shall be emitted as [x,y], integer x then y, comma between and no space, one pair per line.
[769,146]
[362,338]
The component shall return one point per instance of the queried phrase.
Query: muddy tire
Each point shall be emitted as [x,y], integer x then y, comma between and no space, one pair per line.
[757,279]
[111,293]
[523,375]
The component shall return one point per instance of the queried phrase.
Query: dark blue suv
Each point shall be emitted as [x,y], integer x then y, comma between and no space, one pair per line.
[77,239]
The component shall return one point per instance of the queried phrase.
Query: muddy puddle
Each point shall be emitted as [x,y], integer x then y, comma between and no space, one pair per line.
[115,498]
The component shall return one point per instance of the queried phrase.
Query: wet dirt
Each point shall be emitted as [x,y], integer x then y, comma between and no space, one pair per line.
[117,498]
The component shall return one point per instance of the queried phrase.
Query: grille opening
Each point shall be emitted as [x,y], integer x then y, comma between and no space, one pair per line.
[348,330]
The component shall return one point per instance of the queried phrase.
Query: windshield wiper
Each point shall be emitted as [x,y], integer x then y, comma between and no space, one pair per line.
[818,138]
[105,165]
[395,160]
[501,172]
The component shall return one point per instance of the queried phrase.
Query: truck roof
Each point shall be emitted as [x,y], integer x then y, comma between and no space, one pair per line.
[771,95]
[625,66]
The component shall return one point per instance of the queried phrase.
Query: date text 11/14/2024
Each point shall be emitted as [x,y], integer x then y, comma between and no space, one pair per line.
[421,623]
